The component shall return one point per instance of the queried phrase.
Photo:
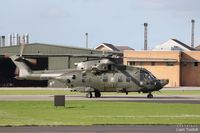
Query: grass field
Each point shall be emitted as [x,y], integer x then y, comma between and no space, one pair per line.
[64,92]
[96,112]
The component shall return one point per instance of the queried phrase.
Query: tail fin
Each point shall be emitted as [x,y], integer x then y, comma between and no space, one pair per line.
[24,70]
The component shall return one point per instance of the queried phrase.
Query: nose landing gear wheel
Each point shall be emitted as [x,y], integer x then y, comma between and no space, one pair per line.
[97,94]
[89,95]
[149,95]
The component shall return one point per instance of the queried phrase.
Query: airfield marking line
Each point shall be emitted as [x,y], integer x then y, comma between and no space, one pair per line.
[148,116]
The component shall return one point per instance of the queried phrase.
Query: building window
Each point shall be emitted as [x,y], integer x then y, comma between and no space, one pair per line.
[184,64]
[131,63]
[153,63]
[169,64]
[195,64]
[141,63]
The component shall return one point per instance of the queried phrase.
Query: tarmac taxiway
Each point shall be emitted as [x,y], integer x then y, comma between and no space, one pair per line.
[190,99]
[104,129]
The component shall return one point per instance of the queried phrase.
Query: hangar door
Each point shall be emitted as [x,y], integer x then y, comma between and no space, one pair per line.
[8,72]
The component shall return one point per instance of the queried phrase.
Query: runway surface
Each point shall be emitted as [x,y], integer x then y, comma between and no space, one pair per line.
[104,129]
[192,99]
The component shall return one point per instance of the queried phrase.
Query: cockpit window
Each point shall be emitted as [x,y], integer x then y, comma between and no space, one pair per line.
[111,67]
[121,67]
[145,75]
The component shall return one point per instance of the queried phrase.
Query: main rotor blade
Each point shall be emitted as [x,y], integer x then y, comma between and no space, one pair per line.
[6,55]
[32,61]
[16,71]
[22,46]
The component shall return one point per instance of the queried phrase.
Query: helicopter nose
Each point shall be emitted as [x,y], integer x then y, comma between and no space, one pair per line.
[164,82]
[161,83]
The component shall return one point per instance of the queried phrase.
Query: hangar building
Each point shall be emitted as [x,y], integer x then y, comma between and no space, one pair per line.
[49,57]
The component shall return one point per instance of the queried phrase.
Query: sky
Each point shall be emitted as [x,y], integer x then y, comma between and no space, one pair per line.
[120,22]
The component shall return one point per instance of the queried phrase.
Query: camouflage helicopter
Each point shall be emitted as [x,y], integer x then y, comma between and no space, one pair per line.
[103,74]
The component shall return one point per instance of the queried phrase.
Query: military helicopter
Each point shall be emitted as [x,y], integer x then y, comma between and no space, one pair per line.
[103,74]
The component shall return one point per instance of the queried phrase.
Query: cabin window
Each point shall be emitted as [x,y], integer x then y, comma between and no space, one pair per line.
[105,79]
[68,81]
[128,79]
[120,79]
[74,77]
[84,74]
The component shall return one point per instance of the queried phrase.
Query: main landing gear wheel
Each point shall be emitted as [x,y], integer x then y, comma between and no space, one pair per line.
[89,95]
[97,94]
[149,95]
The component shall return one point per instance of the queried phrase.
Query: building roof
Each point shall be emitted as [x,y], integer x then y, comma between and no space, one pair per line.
[49,49]
[183,44]
[152,60]
[113,47]
[173,45]
[197,48]
[121,48]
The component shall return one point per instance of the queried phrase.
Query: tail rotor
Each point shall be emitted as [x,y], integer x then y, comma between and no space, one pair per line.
[30,60]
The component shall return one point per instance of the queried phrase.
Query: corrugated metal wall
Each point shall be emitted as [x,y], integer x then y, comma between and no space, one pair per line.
[45,50]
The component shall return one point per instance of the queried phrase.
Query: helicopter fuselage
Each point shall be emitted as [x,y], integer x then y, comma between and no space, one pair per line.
[118,79]
[99,75]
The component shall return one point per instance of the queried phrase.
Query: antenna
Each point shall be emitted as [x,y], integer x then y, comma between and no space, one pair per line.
[27,38]
[0,41]
[10,36]
[145,36]
[86,40]
[192,33]
[3,41]
[17,38]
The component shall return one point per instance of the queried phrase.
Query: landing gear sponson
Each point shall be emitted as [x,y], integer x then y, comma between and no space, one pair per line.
[96,94]
[150,95]
[88,95]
